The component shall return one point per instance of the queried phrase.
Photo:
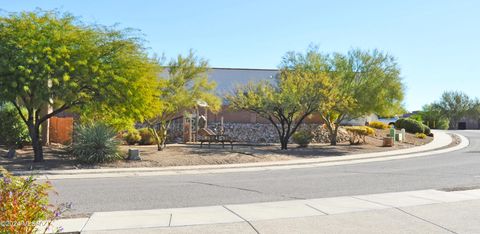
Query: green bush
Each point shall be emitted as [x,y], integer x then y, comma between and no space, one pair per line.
[13,131]
[358,134]
[420,135]
[303,138]
[439,123]
[378,125]
[442,124]
[410,125]
[24,203]
[95,143]
[132,137]
[147,137]
[434,118]
[426,130]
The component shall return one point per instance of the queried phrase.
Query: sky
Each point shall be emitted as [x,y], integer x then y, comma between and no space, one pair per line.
[436,43]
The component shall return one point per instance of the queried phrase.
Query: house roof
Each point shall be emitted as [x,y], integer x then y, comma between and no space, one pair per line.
[228,78]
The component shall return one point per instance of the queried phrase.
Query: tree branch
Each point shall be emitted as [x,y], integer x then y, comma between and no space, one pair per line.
[19,111]
[53,113]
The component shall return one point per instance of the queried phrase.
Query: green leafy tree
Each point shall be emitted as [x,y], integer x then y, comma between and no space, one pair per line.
[363,82]
[184,84]
[433,118]
[293,97]
[13,131]
[131,99]
[454,105]
[475,112]
[48,58]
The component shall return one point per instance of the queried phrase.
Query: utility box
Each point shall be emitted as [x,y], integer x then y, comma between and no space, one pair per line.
[392,132]
[399,137]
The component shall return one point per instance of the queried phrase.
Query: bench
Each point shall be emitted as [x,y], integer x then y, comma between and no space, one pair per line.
[216,139]
[207,135]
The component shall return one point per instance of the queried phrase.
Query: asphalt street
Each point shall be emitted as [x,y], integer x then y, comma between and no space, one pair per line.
[451,170]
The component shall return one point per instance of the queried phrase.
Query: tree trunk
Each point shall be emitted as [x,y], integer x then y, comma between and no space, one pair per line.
[160,136]
[34,131]
[333,135]
[333,139]
[162,143]
[284,144]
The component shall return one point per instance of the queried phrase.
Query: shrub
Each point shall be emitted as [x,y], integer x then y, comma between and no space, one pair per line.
[443,123]
[426,130]
[433,117]
[24,205]
[358,134]
[132,136]
[410,125]
[147,137]
[421,135]
[15,133]
[95,143]
[303,138]
[378,125]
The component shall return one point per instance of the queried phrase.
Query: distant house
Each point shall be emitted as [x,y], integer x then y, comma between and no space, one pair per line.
[468,123]
[463,124]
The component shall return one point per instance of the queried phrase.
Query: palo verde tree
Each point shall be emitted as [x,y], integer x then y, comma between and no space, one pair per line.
[362,83]
[129,100]
[287,102]
[182,85]
[48,58]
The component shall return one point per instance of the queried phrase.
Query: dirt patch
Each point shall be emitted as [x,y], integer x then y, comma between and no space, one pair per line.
[57,158]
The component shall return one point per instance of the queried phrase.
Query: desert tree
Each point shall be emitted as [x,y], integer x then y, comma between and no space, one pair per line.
[362,83]
[285,103]
[183,83]
[455,105]
[53,59]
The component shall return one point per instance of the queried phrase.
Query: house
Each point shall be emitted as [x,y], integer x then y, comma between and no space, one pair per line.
[468,123]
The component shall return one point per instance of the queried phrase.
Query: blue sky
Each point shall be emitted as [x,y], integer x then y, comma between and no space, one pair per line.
[437,43]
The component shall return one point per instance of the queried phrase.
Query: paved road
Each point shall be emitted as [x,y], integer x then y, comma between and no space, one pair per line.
[454,169]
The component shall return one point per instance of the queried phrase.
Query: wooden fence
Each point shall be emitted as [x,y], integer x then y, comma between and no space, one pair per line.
[61,130]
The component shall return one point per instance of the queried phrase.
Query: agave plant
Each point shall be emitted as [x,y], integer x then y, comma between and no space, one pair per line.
[95,143]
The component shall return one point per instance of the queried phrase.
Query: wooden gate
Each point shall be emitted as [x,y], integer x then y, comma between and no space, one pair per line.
[61,130]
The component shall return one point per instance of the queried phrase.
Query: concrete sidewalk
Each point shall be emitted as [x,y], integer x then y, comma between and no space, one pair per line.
[424,211]
[437,146]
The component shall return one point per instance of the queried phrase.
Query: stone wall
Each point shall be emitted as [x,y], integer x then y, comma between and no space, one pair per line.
[260,133]
[266,133]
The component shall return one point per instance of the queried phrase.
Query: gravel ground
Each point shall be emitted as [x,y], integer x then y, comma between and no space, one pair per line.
[192,154]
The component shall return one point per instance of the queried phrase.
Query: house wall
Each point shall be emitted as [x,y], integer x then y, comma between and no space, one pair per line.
[471,123]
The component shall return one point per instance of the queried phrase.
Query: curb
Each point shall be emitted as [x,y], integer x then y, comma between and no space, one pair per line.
[424,150]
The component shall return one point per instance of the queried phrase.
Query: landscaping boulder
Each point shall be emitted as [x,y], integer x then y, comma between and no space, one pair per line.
[133,154]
